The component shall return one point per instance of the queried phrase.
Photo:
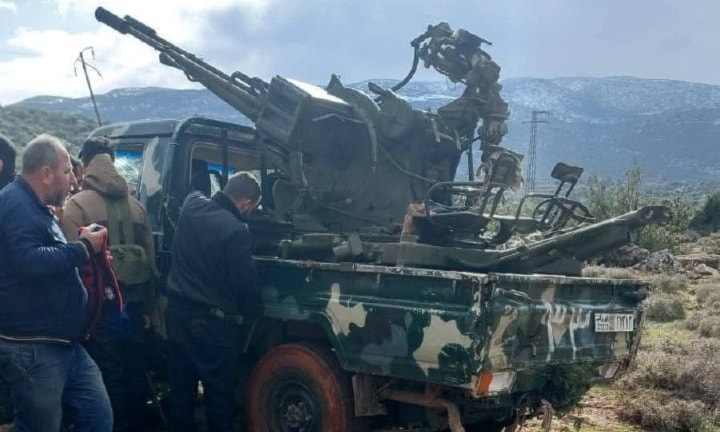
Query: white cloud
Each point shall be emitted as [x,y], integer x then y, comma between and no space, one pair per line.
[181,17]
[47,65]
[8,5]
[359,40]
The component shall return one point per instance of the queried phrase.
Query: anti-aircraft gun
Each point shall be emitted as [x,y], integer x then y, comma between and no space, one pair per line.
[348,163]
[377,266]
[339,148]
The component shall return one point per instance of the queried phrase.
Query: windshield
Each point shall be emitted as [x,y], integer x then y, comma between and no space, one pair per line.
[128,164]
[140,162]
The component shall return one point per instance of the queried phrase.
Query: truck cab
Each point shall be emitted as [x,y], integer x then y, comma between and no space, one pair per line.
[164,160]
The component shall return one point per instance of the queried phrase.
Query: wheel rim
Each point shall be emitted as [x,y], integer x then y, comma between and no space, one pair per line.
[294,407]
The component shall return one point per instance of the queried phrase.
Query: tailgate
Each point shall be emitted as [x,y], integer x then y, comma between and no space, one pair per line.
[537,320]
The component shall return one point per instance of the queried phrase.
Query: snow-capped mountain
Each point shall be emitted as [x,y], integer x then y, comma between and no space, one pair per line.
[670,128]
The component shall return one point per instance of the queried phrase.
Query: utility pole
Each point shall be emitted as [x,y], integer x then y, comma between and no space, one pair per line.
[81,59]
[532,151]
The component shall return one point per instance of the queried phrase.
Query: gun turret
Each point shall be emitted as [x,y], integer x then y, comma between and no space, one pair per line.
[352,162]
[240,91]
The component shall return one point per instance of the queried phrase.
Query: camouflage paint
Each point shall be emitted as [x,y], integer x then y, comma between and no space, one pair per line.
[447,327]
[356,164]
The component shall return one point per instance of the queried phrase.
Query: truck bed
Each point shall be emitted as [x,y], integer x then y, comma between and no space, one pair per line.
[452,328]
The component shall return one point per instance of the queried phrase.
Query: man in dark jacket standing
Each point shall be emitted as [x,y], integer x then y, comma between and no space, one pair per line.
[42,300]
[212,300]
[7,161]
[7,172]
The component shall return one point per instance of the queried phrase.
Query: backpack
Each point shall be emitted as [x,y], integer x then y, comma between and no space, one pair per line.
[104,302]
[131,264]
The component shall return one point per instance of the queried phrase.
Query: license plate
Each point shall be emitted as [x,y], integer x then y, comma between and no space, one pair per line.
[610,323]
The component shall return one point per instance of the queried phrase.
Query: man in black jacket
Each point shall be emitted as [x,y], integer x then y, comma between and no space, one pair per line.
[212,299]
[7,161]
[7,172]
[42,300]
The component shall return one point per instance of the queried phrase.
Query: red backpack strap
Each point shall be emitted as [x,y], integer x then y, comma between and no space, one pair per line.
[91,276]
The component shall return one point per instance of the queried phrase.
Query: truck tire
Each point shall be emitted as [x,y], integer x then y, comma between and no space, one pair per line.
[299,387]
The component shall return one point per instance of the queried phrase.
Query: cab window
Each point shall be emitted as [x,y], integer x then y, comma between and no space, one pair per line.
[206,168]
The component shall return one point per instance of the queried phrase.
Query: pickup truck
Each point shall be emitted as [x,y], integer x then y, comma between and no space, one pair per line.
[389,343]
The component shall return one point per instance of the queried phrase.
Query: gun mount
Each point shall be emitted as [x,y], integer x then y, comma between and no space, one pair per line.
[355,174]
[339,148]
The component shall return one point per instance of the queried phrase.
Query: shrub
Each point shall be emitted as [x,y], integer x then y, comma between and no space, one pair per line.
[708,218]
[675,387]
[665,414]
[708,295]
[664,307]
[673,233]
[607,199]
[706,324]
[709,325]
[666,283]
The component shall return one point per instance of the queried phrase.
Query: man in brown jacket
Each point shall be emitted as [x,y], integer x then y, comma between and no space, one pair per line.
[117,347]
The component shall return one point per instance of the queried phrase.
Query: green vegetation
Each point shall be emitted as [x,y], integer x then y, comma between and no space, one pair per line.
[606,198]
[663,307]
[22,124]
[708,218]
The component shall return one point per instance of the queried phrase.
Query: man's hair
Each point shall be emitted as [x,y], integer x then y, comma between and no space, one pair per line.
[95,146]
[43,150]
[242,185]
[75,162]
[7,154]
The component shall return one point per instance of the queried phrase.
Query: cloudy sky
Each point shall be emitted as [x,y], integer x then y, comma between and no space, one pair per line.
[357,39]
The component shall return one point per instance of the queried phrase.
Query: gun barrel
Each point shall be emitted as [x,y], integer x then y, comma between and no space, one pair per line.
[243,96]
[110,19]
[584,242]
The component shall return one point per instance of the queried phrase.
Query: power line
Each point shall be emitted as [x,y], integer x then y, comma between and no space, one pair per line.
[85,65]
[532,150]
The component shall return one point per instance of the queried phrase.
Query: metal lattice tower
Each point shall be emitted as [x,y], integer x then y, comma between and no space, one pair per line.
[532,150]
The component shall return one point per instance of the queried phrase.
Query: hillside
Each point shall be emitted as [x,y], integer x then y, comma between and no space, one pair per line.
[22,124]
[670,128]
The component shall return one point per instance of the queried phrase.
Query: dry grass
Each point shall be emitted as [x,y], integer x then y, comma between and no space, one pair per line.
[669,283]
[674,385]
[707,293]
[664,307]
[608,272]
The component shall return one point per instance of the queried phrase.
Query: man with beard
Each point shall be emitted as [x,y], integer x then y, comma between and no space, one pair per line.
[7,161]
[42,300]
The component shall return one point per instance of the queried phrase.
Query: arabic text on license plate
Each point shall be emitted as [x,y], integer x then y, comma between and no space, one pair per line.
[609,322]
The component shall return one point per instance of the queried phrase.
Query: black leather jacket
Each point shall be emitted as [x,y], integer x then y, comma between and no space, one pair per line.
[212,261]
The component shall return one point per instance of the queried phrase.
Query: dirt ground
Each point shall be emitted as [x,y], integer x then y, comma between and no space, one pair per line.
[597,412]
